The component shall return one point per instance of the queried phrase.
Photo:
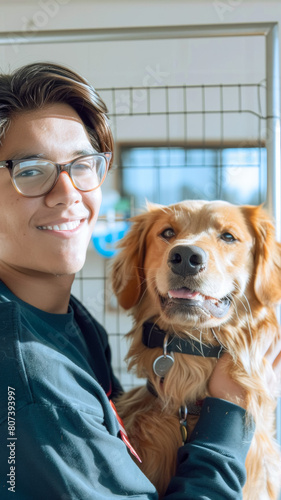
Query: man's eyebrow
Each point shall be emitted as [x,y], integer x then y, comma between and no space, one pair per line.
[27,156]
[84,152]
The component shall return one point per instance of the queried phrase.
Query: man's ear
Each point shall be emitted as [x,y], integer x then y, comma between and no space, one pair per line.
[267,280]
[127,275]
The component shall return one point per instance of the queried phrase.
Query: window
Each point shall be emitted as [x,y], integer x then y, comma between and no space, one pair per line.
[171,174]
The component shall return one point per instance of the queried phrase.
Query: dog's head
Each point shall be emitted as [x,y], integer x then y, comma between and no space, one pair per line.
[196,262]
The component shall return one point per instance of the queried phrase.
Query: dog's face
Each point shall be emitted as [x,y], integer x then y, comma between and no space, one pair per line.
[192,263]
[198,257]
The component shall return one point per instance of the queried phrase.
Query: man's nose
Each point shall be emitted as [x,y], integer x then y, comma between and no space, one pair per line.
[63,191]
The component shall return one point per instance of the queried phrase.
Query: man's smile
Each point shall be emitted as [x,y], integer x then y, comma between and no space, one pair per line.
[65,226]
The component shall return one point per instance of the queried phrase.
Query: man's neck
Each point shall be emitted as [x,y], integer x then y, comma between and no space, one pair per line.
[46,292]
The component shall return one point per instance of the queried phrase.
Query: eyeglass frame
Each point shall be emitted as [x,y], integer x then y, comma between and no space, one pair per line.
[61,167]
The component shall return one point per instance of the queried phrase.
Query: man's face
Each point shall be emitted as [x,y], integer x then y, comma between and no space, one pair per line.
[49,234]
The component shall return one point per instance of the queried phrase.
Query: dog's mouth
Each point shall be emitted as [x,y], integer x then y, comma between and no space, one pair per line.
[184,298]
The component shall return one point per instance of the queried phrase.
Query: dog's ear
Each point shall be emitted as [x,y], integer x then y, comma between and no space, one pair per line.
[267,280]
[127,273]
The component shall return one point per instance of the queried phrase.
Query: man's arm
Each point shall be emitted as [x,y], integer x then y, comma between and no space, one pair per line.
[214,458]
[63,453]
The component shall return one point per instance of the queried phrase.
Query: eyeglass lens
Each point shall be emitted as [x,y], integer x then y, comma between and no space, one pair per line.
[37,177]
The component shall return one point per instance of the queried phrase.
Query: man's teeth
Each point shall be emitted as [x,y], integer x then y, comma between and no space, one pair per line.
[66,226]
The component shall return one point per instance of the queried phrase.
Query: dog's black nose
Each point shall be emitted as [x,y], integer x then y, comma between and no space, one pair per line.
[186,260]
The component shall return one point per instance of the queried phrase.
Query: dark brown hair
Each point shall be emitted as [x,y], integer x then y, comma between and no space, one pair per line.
[36,85]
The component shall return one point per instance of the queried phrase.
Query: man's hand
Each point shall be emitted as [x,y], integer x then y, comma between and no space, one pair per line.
[222,386]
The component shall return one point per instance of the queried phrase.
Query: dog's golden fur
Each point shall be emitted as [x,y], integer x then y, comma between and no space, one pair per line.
[247,269]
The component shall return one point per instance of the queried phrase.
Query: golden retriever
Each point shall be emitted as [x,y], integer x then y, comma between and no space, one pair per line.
[205,275]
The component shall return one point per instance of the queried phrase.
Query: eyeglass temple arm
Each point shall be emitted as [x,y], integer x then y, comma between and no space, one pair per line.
[6,164]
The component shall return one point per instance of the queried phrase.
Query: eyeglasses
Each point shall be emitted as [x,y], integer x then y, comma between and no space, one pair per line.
[36,177]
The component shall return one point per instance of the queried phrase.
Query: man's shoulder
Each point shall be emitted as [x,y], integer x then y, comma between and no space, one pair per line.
[85,319]
[9,313]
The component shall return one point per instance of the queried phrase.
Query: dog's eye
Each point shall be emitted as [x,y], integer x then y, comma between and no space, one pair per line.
[228,237]
[168,233]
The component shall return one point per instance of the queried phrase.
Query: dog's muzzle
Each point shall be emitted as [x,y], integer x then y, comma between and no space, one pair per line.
[190,301]
[187,260]
[186,263]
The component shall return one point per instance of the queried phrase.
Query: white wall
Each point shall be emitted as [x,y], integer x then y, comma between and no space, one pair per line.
[112,13]
[141,63]
[39,15]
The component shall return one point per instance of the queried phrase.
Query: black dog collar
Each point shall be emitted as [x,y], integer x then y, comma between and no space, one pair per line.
[153,336]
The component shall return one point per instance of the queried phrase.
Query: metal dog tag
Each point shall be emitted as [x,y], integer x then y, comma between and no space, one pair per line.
[183,411]
[162,365]
[183,430]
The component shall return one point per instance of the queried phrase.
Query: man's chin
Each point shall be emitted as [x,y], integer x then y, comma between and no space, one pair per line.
[68,268]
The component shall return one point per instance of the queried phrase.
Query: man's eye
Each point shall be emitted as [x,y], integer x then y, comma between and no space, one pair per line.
[79,166]
[228,237]
[168,233]
[32,172]
[82,169]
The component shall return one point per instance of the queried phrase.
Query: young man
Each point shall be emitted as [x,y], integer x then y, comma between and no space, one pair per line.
[58,434]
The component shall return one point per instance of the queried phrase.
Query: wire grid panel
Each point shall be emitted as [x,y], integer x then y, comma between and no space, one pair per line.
[187,116]
[187,113]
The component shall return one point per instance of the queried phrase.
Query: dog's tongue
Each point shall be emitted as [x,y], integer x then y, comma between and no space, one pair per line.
[183,293]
